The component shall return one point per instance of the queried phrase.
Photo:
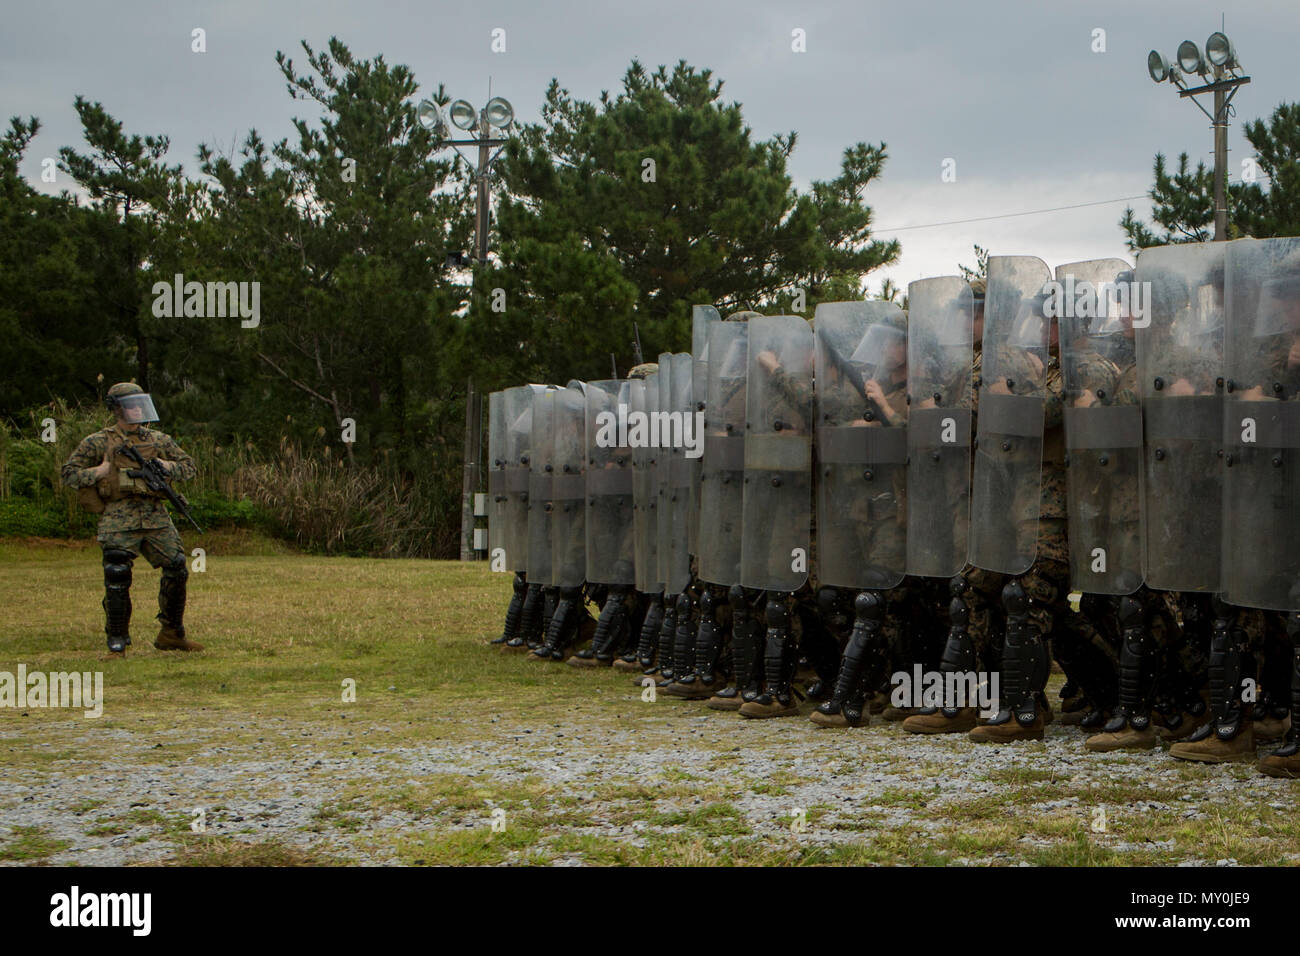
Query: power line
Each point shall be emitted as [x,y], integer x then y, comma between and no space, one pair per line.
[1013,215]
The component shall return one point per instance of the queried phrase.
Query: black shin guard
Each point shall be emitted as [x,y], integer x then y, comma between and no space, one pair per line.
[1134,668]
[610,625]
[171,594]
[667,636]
[958,655]
[745,647]
[778,659]
[515,611]
[707,645]
[530,618]
[563,623]
[1021,659]
[117,598]
[1291,743]
[650,625]
[863,660]
[684,639]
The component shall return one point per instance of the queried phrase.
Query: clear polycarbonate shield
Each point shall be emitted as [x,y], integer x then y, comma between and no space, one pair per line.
[722,485]
[644,395]
[1261,493]
[675,434]
[861,392]
[940,350]
[1103,426]
[702,319]
[569,488]
[663,465]
[541,478]
[611,556]
[778,454]
[136,409]
[497,499]
[1007,485]
[1180,386]
[518,415]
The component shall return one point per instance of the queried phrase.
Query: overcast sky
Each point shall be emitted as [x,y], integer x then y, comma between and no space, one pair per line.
[1009,89]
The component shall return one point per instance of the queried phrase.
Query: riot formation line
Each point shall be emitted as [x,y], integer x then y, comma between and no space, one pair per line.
[968,490]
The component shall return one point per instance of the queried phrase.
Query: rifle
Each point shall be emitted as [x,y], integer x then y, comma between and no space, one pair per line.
[155,476]
[855,378]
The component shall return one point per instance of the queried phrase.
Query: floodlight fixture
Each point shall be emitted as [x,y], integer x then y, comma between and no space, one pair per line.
[1157,66]
[463,116]
[499,112]
[430,116]
[1189,58]
[1220,52]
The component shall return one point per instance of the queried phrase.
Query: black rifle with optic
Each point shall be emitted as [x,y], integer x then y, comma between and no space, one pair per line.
[155,476]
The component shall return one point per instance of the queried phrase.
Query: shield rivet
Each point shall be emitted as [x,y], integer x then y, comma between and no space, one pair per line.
[776,482]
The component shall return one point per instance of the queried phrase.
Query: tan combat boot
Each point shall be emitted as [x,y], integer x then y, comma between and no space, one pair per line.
[1268,729]
[1205,746]
[1285,761]
[895,714]
[1126,738]
[769,705]
[729,698]
[938,723]
[173,639]
[1008,730]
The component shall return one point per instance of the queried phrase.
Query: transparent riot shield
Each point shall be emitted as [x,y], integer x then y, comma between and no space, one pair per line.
[940,350]
[1005,497]
[644,395]
[1180,386]
[861,391]
[675,433]
[518,415]
[702,319]
[497,499]
[663,457]
[569,488]
[1261,493]
[778,454]
[1103,426]
[611,555]
[541,476]
[722,485]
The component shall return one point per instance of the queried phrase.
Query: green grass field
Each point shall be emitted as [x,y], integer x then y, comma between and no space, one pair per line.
[253,738]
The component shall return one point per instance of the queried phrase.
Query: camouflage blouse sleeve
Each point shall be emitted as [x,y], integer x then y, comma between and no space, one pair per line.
[798,394]
[1053,401]
[183,467]
[78,470]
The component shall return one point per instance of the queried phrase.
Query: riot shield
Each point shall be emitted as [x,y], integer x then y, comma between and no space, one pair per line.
[861,391]
[496,478]
[778,454]
[675,385]
[518,415]
[541,472]
[569,488]
[663,463]
[1261,493]
[1103,427]
[722,483]
[702,319]
[610,552]
[644,402]
[1180,386]
[1005,497]
[940,350]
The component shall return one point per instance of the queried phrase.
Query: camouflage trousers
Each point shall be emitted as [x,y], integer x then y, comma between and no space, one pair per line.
[161,547]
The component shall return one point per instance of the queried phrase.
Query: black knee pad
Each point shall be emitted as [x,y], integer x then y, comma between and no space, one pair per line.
[778,615]
[176,567]
[117,566]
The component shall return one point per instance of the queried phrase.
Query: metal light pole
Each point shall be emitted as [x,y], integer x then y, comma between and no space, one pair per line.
[1220,67]
[497,115]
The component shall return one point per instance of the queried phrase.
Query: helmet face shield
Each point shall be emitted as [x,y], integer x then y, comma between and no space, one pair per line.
[882,350]
[135,409]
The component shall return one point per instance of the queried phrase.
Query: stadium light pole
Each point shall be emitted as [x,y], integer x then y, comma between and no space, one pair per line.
[1219,69]
[487,128]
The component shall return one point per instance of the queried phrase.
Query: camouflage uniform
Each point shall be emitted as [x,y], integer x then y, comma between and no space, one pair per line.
[134,522]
